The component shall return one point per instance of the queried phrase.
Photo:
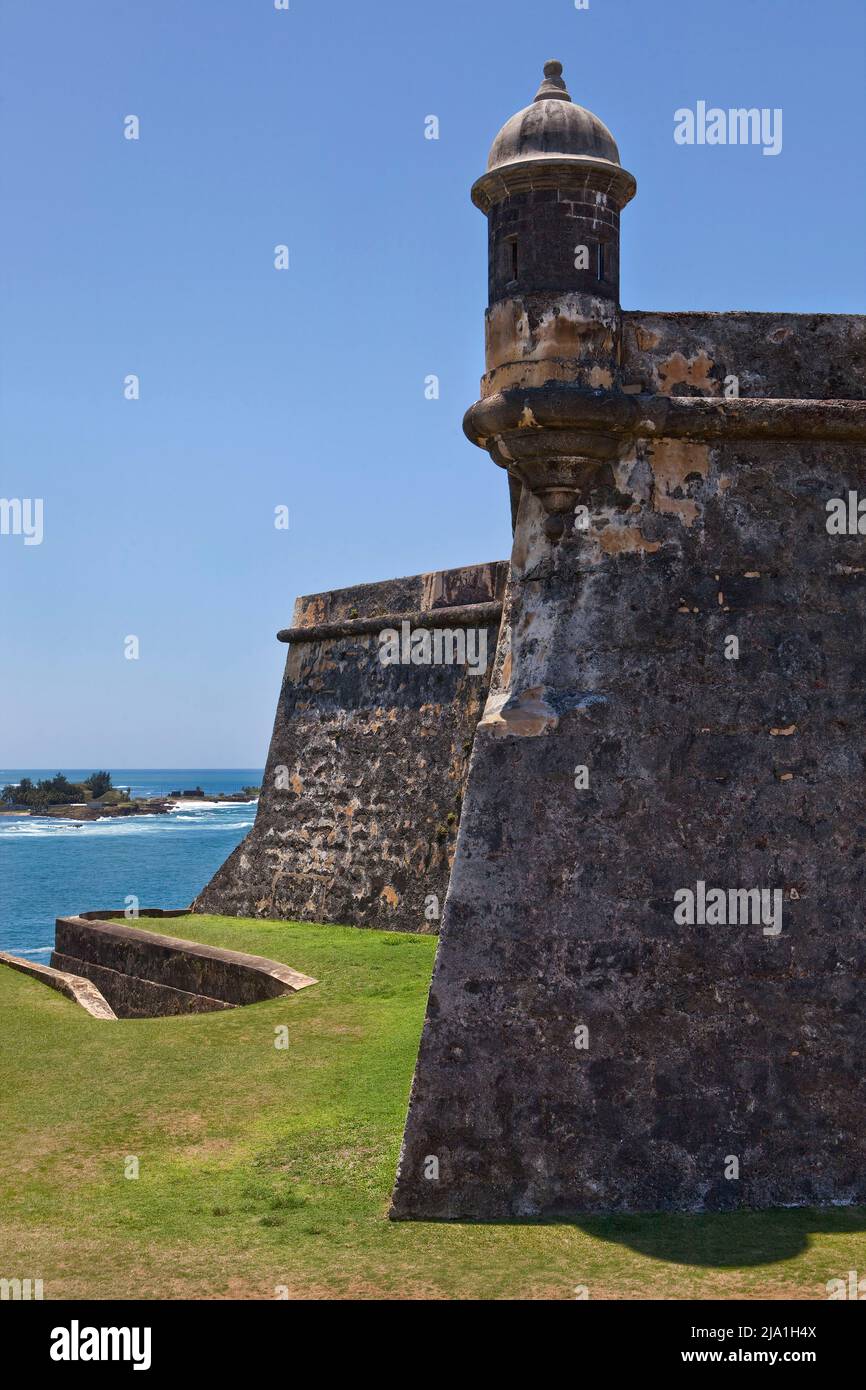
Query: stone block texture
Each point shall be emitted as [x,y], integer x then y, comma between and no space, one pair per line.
[363,787]
[772,356]
[705,1042]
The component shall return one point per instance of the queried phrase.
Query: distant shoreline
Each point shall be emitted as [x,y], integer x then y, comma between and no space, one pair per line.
[141,806]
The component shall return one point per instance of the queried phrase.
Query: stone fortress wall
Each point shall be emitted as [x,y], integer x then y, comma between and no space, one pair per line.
[650,989]
[782,356]
[704,1040]
[363,787]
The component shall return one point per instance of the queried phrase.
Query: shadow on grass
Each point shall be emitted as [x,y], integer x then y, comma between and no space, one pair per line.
[724,1240]
[721,1240]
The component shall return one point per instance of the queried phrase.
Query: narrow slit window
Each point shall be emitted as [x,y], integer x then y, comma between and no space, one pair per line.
[512,250]
[602,261]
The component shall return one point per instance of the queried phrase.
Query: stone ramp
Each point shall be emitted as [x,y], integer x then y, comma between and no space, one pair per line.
[75,987]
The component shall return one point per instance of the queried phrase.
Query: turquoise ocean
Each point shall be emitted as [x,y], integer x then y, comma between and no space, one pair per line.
[52,867]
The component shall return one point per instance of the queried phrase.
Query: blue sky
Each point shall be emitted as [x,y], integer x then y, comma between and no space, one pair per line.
[305,388]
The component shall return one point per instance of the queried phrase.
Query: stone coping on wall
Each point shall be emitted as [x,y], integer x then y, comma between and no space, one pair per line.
[75,987]
[101,930]
[382,602]
[465,615]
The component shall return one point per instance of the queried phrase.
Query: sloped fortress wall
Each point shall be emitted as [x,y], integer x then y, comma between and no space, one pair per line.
[721,1062]
[363,787]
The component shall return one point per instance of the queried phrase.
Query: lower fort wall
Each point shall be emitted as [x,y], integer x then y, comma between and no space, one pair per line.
[363,787]
[649,989]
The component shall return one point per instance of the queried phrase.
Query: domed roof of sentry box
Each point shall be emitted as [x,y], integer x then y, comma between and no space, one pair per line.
[553,126]
[554,143]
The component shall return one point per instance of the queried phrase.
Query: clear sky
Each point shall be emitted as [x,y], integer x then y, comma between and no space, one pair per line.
[305,387]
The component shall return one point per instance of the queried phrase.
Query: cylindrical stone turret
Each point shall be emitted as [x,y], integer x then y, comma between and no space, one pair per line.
[553,192]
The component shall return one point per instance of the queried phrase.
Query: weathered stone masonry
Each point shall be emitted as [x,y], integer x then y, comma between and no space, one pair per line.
[363,787]
[661,515]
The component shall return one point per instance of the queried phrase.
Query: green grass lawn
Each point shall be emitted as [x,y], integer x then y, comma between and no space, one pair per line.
[261,1168]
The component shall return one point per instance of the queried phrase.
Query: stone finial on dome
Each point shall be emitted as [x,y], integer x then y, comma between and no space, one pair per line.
[553,87]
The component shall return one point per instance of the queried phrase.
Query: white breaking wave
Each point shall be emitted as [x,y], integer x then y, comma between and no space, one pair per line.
[212,817]
[187,803]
